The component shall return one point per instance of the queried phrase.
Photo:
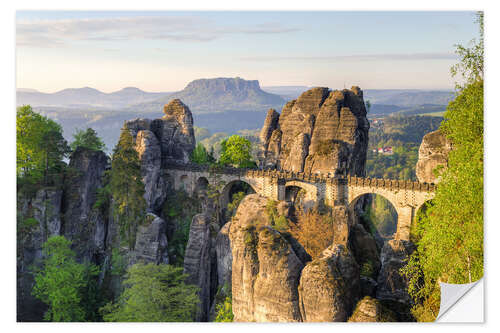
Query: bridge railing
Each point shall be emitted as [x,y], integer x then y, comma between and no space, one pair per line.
[390,184]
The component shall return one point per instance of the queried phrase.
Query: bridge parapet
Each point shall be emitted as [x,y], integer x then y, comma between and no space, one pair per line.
[390,184]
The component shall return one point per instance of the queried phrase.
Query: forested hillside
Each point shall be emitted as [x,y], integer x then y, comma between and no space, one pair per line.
[404,135]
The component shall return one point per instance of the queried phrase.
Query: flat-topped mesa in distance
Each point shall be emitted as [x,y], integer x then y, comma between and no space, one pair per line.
[322,131]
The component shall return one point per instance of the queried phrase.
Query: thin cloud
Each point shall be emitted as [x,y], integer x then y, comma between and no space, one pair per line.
[357,57]
[51,33]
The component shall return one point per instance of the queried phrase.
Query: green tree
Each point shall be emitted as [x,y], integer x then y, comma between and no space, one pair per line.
[40,147]
[236,151]
[87,139]
[450,233]
[62,283]
[225,311]
[153,293]
[201,156]
[127,188]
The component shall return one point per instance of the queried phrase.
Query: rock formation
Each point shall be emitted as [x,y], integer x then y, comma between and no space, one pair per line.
[224,256]
[321,131]
[392,285]
[329,286]
[160,142]
[200,261]
[370,309]
[151,242]
[84,225]
[265,269]
[364,248]
[433,153]
[174,131]
[45,209]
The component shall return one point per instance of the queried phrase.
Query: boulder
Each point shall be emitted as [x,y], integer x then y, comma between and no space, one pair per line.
[433,153]
[329,286]
[370,309]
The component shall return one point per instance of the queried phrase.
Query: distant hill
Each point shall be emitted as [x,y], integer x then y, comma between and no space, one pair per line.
[220,94]
[407,97]
[85,97]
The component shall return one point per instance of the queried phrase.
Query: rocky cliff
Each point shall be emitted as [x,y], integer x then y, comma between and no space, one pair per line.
[273,278]
[160,142]
[321,131]
[68,211]
[85,226]
[433,153]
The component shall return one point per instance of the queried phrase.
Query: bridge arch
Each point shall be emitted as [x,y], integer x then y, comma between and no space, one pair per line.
[233,187]
[184,183]
[201,186]
[310,193]
[383,211]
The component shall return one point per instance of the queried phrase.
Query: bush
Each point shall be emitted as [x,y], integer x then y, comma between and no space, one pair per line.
[313,230]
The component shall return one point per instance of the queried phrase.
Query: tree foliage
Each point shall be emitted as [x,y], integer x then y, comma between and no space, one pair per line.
[87,139]
[450,233]
[201,156]
[40,147]
[225,311]
[127,188]
[153,293]
[236,151]
[63,284]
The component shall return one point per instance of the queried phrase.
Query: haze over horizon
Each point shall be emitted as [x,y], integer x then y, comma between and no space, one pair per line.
[163,51]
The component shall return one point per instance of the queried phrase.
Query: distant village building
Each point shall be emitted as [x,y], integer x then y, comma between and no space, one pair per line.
[384,150]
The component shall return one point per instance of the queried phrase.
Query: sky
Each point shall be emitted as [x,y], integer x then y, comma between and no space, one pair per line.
[163,51]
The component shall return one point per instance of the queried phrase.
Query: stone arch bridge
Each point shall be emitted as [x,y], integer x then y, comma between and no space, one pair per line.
[406,196]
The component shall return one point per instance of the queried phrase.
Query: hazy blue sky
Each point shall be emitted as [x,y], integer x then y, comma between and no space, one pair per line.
[163,51]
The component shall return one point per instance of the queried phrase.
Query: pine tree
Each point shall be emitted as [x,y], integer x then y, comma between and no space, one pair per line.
[153,293]
[87,139]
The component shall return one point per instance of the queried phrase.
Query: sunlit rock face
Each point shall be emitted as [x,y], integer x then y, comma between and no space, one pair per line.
[265,269]
[321,131]
[371,310]
[329,286]
[433,153]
